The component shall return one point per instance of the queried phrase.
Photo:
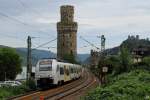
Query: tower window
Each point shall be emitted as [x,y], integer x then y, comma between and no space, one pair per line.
[70,44]
[71,52]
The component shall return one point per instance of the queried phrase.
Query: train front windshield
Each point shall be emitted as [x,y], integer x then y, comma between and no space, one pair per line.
[45,65]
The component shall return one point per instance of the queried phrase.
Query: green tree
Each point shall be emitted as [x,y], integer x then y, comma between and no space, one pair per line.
[146,61]
[10,64]
[70,58]
[113,64]
[125,60]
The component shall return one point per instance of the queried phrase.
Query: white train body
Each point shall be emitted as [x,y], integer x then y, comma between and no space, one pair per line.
[51,72]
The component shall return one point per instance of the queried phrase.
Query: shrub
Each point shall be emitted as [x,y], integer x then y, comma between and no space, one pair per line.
[31,84]
[9,91]
[146,61]
[127,86]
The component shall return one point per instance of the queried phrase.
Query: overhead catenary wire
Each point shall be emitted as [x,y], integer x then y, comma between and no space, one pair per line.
[89,42]
[45,43]
[21,22]
[50,47]
[14,19]
[24,5]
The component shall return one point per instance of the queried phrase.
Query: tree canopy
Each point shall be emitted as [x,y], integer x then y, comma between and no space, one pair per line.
[10,64]
[70,58]
[146,61]
[125,59]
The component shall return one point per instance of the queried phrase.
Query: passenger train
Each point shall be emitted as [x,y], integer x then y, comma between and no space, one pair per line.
[52,72]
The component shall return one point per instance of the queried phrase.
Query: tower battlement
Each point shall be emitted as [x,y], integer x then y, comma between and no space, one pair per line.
[67,13]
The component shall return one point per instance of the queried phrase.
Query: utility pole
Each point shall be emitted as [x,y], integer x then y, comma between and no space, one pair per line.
[103,68]
[29,63]
[103,39]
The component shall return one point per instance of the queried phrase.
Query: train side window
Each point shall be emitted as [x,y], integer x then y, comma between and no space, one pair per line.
[67,72]
[75,70]
[71,70]
[61,71]
[57,68]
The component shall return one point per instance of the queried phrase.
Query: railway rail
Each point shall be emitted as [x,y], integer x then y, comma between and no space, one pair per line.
[73,89]
[61,92]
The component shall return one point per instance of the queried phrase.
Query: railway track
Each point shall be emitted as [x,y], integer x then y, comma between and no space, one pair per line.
[73,89]
[61,92]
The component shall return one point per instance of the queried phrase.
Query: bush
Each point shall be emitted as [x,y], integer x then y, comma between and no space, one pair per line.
[127,86]
[146,61]
[31,84]
[9,91]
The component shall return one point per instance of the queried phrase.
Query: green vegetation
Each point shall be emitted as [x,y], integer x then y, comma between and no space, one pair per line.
[7,91]
[132,43]
[146,61]
[134,85]
[10,64]
[116,64]
[31,84]
[126,80]
[70,59]
[124,61]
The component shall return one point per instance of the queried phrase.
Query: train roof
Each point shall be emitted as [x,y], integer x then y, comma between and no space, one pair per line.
[58,60]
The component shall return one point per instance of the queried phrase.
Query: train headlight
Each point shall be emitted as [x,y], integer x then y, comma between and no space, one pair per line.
[49,75]
[38,76]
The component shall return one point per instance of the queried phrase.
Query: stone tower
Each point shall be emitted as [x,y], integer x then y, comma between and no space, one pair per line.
[66,33]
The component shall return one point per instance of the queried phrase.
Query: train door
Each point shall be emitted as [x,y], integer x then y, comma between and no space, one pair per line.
[62,73]
[66,73]
[58,73]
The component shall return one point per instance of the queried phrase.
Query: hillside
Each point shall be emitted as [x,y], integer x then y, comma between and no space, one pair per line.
[83,58]
[38,54]
[131,43]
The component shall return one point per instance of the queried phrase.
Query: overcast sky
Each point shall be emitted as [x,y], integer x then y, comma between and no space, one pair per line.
[116,19]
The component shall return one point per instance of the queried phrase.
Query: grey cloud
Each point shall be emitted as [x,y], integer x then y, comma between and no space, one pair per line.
[48,10]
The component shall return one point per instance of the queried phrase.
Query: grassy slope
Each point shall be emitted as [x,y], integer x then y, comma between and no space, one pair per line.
[6,92]
[128,86]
